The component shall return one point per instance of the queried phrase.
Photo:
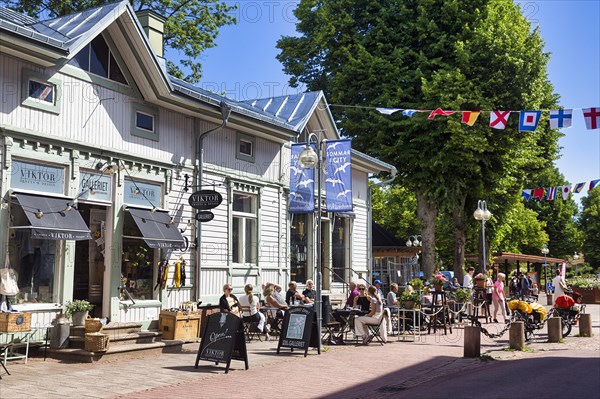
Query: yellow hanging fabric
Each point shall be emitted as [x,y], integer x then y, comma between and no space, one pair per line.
[165,276]
[177,274]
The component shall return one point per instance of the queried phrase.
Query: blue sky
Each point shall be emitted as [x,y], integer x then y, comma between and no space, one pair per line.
[244,65]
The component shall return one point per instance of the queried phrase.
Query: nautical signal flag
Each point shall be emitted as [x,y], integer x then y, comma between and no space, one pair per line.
[388,111]
[561,118]
[529,120]
[592,118]
[551,194]
[565,192]
[498,119]
[526,194]
[578,187]
[470,117]
[439,112]
[538,193]
[593,184]
[410,112]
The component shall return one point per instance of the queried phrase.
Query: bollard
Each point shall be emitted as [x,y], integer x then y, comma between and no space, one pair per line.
[554,329]
[472,341]
[585,325]
[549,299]
[516,335]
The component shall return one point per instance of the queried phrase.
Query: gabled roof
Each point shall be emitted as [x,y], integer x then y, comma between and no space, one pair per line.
[383,238]
[69,32]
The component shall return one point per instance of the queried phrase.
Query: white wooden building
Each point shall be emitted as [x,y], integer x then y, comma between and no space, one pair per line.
[99,156]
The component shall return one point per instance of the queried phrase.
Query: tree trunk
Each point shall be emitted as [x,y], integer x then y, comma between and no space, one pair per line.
[460,239]
[427,213]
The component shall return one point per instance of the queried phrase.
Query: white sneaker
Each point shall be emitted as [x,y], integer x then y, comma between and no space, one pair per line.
[268,328]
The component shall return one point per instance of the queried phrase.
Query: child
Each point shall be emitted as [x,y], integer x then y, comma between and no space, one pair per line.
[535,291]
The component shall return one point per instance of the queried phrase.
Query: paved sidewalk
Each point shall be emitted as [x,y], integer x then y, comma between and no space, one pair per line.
[392,368]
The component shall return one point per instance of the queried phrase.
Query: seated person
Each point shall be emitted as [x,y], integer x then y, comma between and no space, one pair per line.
[273,300]
[392,299]
[373,317]
[353,293]
[362,301]
[535,291]
[309,293]
[229,302]
[292,296]
[250,302]
[341,315]
[454,285]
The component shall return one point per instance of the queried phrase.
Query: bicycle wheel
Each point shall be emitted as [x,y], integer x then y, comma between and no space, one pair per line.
[566,327]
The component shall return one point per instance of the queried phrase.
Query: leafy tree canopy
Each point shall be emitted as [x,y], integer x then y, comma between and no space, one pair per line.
[191,26]
[590,224]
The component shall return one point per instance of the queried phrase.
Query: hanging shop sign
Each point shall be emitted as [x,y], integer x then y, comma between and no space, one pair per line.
[37,177]
[205,199]
[144,194]
[95,187]
[205,216]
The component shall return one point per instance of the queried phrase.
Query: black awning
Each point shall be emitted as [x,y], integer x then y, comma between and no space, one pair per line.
[157,228]
[52,219]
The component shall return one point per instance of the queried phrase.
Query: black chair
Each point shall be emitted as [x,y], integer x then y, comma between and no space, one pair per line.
[3,349]
[374,330]
[250,326]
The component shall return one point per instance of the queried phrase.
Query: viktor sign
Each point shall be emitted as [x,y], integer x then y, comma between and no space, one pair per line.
[205,199]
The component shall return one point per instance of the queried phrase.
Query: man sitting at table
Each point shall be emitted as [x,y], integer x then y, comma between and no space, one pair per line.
[392,299]
[292,296]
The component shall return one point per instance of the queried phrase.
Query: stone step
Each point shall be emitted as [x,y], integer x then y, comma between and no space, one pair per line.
[116,352]
[114,329]
[142,337]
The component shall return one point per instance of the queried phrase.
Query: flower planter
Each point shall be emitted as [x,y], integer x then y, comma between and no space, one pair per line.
[480,283]
[590,295]
[438,287]
[79,318]
[408,304]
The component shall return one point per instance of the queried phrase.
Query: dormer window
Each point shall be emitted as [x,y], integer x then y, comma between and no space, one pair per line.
[97,58]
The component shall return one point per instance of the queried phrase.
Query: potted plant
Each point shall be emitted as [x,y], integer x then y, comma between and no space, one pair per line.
[417,284]
[78,311]
[410,299]
[463,295]
[438,281]
[479,280]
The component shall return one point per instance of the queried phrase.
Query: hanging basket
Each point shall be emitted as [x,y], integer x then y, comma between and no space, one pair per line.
[96,342]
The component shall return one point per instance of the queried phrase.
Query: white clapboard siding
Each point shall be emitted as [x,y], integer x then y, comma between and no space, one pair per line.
[176,296]
[138,314]
[212,281]
[359,239]
[94,115]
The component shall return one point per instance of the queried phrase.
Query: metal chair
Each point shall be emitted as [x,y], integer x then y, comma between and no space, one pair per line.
[250,326]
[374,330]
[3,351]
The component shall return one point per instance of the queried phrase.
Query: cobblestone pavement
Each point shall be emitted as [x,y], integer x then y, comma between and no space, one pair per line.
[390,369]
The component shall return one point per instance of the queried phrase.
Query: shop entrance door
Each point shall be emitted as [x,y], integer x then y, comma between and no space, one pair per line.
[89,259]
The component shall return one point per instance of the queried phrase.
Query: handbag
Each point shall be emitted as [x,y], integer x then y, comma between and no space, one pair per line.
[8,280]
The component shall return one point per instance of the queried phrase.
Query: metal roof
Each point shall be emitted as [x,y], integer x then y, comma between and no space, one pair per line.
[295,109]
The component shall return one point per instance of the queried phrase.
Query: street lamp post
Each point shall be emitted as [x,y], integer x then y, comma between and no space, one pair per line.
[545,251]
[482,213]
[575,258]
[311,159]
[415,241]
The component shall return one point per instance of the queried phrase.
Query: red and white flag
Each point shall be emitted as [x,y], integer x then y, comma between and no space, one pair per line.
[592,118]
[565,192]
[498,119]
[440,112]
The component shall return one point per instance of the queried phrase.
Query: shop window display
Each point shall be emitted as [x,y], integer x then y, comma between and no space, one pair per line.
[33,260]
[138,262]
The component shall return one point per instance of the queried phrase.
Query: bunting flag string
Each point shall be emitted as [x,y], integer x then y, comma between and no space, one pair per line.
[528,119]
[551,193]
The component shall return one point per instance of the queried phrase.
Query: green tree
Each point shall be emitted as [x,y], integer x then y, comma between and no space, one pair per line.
[590,224]
[394,208]
[191,26]
[425,54]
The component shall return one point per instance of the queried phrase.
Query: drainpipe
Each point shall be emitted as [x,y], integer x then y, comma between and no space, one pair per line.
[370,260]
[225,112]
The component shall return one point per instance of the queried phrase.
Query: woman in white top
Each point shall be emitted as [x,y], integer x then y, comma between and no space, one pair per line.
[373,317]
[249,308]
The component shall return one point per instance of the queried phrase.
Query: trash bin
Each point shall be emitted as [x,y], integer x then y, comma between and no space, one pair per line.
[549,299]
[61,327]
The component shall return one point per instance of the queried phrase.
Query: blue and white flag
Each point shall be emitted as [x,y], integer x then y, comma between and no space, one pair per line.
[388,111]
[302,183]
[526,193]
[561,118]
[338,175]
[529,120]
[410,112]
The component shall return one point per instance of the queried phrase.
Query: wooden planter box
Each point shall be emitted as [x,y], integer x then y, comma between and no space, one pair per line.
[15,322]
[176,325]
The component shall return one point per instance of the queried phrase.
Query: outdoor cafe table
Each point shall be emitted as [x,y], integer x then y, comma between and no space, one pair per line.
[406,323]
[346,318]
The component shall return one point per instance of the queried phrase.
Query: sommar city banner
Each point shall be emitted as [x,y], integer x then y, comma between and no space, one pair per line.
[337,183]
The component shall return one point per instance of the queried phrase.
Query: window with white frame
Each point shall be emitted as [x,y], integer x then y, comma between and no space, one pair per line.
[245,228]
[246,147]
[39,91]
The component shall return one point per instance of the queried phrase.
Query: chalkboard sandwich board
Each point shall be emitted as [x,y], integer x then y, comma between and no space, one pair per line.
[222,340]
[298,326]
